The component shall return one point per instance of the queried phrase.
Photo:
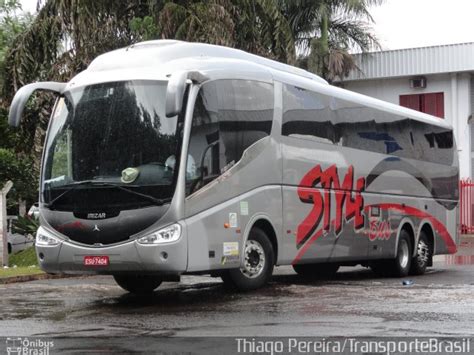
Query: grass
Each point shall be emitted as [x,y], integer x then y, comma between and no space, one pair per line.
[20,271]
[25,257]
[25,262]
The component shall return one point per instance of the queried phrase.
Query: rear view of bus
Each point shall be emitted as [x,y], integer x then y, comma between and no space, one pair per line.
[167,158]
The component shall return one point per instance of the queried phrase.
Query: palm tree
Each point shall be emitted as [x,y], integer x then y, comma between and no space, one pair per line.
[257,26]
[326,31]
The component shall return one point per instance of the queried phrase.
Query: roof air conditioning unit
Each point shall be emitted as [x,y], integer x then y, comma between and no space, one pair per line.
[418,83]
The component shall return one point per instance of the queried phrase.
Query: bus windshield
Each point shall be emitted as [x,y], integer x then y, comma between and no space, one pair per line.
[108,136]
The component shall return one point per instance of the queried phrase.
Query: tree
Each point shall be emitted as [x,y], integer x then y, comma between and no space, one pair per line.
[11,24]
[326,31]
[14,165]
[21,172]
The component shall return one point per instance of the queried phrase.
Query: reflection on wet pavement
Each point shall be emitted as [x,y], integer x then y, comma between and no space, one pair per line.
[459,259]
[464,255]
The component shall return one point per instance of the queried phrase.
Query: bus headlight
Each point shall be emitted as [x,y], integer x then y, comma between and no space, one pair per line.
[45,239]
[165,235]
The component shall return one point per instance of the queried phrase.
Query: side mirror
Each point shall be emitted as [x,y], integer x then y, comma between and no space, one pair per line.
[22,96]
[176,89]
[175,93]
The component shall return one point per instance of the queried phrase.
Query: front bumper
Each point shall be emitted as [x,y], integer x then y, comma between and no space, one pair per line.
[128,257]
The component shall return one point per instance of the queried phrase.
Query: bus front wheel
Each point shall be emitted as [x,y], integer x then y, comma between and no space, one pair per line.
[138,284]
[259,259]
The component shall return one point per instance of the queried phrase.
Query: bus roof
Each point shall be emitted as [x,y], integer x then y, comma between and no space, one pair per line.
[160,52]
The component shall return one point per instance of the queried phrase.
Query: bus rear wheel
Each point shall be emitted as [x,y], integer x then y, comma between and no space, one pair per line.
[400,266]
[423,255]
[138,284]
[259,259]
[323,270]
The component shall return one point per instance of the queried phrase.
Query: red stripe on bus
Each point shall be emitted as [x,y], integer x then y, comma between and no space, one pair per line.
[410,211]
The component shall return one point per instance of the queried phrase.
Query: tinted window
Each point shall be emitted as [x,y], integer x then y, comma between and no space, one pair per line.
[309,115]
[229,116]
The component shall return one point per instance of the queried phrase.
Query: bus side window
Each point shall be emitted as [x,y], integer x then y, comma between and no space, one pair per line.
[308,115]
[229,116]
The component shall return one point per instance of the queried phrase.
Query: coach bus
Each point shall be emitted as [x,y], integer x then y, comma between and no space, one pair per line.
[168,158]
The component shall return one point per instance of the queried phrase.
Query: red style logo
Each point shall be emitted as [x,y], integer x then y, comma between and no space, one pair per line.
[318,187]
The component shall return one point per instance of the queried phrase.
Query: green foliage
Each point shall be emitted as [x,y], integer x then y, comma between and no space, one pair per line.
[20,170]
[11,25]
[8,138]
[24,258]
[14,165]
[25,226]
[327,31]
[144,28]
[19,271]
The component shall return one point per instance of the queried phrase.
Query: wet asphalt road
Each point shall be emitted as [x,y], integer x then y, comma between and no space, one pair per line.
[354,303]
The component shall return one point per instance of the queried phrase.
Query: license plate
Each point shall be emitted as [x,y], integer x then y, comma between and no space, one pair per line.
[96,260]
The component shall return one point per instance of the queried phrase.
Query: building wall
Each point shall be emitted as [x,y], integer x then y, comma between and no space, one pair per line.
[457,104]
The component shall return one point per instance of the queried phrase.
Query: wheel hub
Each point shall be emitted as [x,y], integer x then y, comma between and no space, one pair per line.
[254,259]
[405,254]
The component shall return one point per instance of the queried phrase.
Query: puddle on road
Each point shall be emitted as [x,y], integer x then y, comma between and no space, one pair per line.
[459,259]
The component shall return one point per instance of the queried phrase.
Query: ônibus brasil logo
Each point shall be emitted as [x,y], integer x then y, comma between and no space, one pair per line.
[20,346]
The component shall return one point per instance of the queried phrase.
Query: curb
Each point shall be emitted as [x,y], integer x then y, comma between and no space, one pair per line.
[26,278]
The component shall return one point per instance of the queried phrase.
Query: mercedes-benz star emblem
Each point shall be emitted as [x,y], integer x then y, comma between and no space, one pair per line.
[96,229]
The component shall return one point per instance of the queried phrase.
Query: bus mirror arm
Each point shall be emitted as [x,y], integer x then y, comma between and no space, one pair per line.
[176,89]
[22,96]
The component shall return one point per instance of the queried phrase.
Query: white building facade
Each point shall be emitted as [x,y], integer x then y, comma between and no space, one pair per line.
[437,80]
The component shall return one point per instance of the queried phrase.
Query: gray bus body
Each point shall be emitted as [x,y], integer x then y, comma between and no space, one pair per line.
[329,175]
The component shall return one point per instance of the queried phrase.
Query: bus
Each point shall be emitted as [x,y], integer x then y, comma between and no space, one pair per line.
[169,158]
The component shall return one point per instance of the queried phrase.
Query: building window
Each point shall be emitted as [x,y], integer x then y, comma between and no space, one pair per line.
[432,103]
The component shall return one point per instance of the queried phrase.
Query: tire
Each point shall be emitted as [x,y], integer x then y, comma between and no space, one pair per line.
[400,266]
[258,264]
[424,253]
[138,284]
[316,271]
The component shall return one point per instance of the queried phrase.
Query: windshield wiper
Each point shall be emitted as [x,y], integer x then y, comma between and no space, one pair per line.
[73,186]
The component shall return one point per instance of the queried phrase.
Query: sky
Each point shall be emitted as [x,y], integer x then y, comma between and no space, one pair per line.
[410,23]
[419,23]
